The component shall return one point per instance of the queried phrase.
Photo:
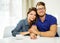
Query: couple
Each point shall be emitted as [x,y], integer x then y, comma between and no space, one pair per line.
[37,23]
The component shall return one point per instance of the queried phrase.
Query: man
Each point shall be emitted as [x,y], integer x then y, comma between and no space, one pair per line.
[46,25]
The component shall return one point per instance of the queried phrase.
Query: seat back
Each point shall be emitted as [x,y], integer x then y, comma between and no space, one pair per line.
[58,31]
[7,31]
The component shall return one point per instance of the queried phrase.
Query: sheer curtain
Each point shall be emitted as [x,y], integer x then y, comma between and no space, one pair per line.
[4,15]
[10,14]
[26,4]
[15,11]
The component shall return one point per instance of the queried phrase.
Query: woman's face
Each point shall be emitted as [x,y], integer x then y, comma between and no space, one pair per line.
[32,15]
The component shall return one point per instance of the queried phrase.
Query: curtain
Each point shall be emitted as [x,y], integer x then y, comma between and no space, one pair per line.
[26,4]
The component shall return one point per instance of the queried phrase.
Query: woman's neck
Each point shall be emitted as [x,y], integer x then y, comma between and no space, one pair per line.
[29,21]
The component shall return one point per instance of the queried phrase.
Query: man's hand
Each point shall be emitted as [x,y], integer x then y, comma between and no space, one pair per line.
[33,36]
[34,30]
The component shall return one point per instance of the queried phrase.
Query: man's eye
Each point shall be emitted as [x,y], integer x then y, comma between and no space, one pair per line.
[40,8]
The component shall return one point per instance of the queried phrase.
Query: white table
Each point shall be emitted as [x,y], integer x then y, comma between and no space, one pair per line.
[28,40]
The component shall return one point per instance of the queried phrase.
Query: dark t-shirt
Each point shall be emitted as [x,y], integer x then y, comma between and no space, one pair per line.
[45,26]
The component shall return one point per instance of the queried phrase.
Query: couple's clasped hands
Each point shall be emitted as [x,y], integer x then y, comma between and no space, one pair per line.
[33,33]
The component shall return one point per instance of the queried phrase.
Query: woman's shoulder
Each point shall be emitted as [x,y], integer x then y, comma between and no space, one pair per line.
[22,21]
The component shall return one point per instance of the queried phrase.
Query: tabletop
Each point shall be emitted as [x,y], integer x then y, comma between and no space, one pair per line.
[26,39]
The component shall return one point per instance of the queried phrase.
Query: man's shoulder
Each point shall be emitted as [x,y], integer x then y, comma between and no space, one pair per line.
[50,16]
[52,19]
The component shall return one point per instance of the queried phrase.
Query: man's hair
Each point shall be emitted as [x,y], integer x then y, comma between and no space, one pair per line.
[31,9]
[40,3]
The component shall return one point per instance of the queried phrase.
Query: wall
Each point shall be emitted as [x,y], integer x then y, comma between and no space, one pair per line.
[53,8]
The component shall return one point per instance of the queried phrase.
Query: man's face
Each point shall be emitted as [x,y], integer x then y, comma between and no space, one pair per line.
[41,10]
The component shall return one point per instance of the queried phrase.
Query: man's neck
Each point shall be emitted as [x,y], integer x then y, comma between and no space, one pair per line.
[42,18]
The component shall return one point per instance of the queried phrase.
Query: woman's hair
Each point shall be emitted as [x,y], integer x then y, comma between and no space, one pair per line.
[31,9]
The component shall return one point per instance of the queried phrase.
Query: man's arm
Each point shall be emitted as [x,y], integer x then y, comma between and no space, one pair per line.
[50,33]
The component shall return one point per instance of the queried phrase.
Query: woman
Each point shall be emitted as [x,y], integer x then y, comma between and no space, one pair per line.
[24,25]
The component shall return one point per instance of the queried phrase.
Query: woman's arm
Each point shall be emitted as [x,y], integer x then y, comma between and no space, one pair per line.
[24,33]
[18,28]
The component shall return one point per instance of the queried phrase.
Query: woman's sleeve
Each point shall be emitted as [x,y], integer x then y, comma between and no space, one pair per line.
[18,28]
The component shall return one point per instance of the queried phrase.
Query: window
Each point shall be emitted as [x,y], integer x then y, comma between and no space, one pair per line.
[10,14]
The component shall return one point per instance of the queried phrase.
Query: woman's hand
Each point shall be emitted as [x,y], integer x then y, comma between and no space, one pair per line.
[24,33]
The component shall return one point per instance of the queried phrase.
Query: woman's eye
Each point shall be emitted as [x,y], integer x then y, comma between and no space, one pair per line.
[31,14]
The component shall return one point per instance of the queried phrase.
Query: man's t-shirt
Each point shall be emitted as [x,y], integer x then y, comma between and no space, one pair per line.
[45,26]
